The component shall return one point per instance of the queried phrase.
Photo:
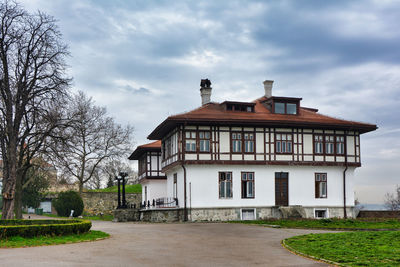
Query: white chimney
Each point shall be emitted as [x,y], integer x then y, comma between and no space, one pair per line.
[268,88]
[205,91]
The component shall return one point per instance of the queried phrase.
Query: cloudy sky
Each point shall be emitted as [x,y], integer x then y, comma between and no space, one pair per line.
[143,60]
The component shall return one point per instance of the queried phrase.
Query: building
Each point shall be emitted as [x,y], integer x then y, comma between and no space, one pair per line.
[248,160]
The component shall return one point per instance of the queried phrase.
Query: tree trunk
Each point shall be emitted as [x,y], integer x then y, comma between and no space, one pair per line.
[80,188]
[9,186]
[18,198]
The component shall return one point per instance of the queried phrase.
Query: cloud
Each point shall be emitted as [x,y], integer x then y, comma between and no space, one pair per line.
[144,61]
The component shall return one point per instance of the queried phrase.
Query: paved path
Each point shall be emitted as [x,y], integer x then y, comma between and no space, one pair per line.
[189,244]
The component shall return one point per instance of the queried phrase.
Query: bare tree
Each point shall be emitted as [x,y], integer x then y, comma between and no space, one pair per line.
[32,76]
[112,168]
[90,139]
[392,201]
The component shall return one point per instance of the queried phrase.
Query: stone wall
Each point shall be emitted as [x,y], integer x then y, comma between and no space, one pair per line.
[379,214]
[161,215]
[106,202]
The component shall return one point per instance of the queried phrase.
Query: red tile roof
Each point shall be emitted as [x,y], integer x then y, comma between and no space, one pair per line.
[140,150]
[216,114]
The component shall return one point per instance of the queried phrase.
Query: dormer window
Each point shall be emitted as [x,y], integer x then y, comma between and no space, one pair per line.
[285,108]
[239,106]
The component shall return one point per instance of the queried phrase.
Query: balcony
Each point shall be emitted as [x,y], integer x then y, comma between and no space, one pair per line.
[160,203]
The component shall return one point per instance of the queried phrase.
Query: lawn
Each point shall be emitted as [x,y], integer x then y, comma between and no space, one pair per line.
[329,223]
[16,241]
[135,188]
[350,248]
[105,217]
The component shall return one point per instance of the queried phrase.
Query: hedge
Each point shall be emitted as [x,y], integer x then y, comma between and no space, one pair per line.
[30,228]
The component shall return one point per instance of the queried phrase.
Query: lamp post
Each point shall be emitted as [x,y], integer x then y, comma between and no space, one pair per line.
[123,175]
[119,192]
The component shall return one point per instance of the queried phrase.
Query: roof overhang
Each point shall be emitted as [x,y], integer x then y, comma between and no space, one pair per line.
[169,124]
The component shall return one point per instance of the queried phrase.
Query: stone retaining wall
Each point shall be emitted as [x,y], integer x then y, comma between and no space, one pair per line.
[379,214]
[106,202]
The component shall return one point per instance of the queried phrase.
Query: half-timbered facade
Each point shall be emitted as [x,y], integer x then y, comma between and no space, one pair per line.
[150,176]
[266,158]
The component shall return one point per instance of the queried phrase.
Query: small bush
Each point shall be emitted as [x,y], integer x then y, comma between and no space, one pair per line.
[68,201]
[30,228]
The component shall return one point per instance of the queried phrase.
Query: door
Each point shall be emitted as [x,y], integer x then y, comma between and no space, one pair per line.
[281,189]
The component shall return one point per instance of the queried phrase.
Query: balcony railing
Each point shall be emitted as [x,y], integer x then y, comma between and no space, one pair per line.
[163,202]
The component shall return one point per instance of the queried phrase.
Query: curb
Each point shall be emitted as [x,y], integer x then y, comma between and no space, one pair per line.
[298,253]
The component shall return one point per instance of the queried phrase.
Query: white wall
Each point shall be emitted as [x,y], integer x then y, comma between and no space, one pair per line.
[204,185]
[155,189]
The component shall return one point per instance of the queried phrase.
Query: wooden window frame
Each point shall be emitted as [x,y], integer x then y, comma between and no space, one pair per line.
[335,143]
[203,139]
[244,185]
[142,166]
[242,141]
[285,105]
[175,186]
[197,140]
[219,186]
[280,140]
[317,184]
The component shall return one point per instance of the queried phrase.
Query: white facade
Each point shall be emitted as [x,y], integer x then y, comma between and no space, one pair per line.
[203,190]
[153,189]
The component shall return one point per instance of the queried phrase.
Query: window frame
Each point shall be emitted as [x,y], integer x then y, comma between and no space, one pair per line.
[318,184]
[242,141]
[285,107]
[225,187]
[244,185]
[197,140]
[335,143]
[280,140]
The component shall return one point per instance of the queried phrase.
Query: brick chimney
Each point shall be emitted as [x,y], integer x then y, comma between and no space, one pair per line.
[268,88]
[205,91]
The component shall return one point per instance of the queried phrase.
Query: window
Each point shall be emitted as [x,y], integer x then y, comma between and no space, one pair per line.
[320,185]
[247,184]
[248,214]
[204,141]
[190,137]
[236,142]
[143,164]
[225,185]
[340,145]
[248,142]
[320,214]
[329,144]
[201,141]
[285,108]
[240,140]
[167,148]
[319,144]
[175,188]
[280,108]
[283,143]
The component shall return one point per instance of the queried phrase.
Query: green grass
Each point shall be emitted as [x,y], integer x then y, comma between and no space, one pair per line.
[350,248]
[105,217]
[16,241]
[135,188]
[330,223]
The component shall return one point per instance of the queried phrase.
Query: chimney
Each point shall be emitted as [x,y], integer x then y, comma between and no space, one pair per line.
[268,88]
[205,91]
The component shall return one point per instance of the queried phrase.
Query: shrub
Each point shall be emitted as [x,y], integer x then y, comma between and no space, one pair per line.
[30,228]
[68,201]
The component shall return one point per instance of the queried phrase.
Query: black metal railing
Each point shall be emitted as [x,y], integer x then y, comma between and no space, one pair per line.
[163,202]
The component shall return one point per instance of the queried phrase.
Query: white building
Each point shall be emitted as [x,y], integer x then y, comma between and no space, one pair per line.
[250,160]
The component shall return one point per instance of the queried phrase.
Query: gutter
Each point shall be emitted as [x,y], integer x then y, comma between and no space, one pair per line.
[185,213]
[344,177]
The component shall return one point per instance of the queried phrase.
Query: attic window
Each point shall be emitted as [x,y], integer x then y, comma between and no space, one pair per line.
[285,108]
[240,107]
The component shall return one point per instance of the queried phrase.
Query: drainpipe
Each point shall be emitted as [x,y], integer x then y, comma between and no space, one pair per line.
[185,214]
[344,192]
[344,175]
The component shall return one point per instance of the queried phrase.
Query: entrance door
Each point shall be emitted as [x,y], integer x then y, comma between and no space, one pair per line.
[281,189]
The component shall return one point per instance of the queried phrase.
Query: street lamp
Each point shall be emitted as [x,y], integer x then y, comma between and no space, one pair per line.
[123,175]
